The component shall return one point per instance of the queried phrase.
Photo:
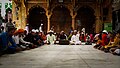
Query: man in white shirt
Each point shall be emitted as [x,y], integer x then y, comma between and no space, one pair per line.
[75,39]
[51,38]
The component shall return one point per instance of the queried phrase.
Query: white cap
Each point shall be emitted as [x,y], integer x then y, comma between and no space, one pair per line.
[75,30]
[37,30]
[105,31]
[33,30]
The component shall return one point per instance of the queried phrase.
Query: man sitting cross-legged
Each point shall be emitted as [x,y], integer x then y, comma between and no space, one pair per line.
[75,39]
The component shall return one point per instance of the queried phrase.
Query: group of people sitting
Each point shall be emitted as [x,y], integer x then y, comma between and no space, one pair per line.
[74,38]
[14,40]
[108,42]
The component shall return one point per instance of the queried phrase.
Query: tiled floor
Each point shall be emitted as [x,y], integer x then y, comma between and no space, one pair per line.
[61,56]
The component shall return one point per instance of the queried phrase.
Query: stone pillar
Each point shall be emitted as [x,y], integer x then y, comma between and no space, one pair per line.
[48,25]
[98,23]
[20,17]
[73,22]
[48,14]
[73,15]
[110,14]
[23,18]
[16,14]
[23,13]
[13,11]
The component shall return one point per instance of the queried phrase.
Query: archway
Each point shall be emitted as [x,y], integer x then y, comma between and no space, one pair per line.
[61,19]
[85,19]
[36,17]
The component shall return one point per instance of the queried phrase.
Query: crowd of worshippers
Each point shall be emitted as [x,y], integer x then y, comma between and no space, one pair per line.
[73,38]
[108,42]
[15,40]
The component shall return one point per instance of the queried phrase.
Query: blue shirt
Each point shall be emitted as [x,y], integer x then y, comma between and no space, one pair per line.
[6,41]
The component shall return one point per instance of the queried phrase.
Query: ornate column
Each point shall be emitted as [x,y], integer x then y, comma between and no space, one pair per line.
[110,14]
[73,15]
[48,14]
[98,27]
[14,11]
[73,22]
[48,25]
[23,14]
[98,23]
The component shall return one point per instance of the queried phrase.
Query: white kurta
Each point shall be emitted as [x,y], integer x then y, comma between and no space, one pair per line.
[75,40]
[51,39]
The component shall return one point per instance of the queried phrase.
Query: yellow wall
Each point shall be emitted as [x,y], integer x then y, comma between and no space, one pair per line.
[24,11]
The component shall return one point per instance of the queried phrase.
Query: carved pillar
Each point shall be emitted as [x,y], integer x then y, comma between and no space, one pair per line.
[98,25]
[48,19]
[73,15]
[24,16]
[73,22]
[110,14]
[20,17]
[13,11]
[23,22]
[98,21]
[48,25]
[48,14]
[16,13]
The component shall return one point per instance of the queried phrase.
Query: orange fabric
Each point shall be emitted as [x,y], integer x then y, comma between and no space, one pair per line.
[15,32]
[20,30]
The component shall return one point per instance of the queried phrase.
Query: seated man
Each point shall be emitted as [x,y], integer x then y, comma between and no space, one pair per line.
[7,43]
[51,38]
[104,39]
[75,39]
[63,36]
[23,44]
[111,42]
[31,38]
[88,42]
[115,48]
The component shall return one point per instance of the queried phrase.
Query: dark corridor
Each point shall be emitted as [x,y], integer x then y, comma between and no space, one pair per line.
[37,16]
